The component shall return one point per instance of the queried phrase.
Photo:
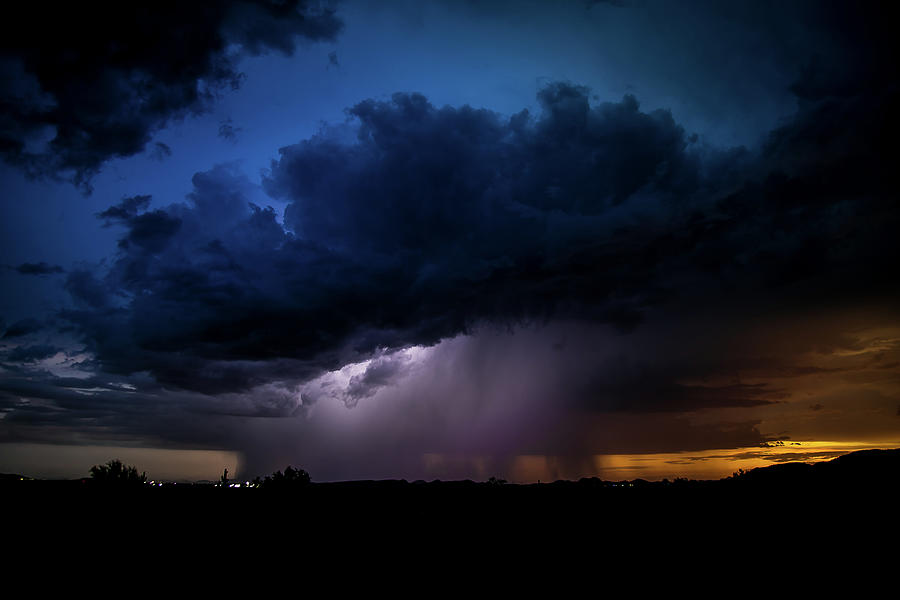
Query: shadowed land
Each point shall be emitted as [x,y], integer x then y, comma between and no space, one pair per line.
[803,509]
[867,477]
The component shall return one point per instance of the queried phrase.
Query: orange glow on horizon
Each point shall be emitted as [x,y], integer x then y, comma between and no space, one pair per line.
[707,464]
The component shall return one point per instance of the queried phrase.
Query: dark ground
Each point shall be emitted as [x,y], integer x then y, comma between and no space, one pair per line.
[860,487]
[809,523]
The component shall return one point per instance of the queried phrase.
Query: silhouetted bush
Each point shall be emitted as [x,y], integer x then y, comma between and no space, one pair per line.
[291,478]
[116,473]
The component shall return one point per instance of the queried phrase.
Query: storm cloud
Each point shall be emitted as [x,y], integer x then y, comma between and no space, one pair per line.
[428,222]
[40,268]
[423,222]
[83,84]
[440,284]
[22,328]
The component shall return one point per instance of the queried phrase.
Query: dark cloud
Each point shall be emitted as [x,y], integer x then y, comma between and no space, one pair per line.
[146,229]
[785,457]
[626,388]
[227,130]
[126,209]
[31,353]
[84,84]
[160,151]
[40,268]
[661,433]
[107,409]
[86,290]
[381,372]
[780,457]
[432,220]
[22,328]
[44,411]
[333,60]
[151,230]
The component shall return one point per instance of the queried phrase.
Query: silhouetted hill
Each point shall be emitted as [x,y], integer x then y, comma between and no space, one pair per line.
[863,469]
[865,464]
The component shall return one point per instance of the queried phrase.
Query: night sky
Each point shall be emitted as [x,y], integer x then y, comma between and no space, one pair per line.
[447,239]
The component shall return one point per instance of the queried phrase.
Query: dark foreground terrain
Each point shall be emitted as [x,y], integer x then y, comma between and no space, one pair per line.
[788,526]
[868,477]
[843,507]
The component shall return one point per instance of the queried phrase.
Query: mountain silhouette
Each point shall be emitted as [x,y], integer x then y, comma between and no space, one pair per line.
[863,468]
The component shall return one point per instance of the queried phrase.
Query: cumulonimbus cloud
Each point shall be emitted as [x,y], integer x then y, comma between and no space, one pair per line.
[430,220]
[84,83]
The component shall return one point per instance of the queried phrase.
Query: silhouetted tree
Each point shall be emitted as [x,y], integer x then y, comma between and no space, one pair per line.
[291,478]
[496,481]
[115,472]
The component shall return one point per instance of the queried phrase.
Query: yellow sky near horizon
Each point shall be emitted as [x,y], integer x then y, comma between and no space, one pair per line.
[52,461]
[43,461]
[707,464]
